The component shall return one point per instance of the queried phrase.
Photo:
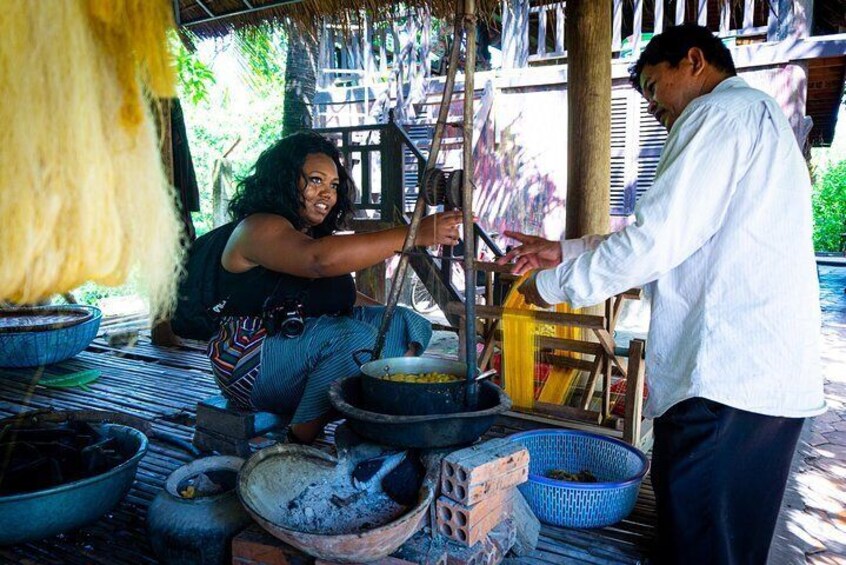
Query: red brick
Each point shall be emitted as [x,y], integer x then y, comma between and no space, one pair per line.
[504,535]
[423,549]
[254,546]
[459,555]
[470,475]
[470,494]
[384,561]
[469,524]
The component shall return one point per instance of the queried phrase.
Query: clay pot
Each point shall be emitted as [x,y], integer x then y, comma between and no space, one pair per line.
[198,530]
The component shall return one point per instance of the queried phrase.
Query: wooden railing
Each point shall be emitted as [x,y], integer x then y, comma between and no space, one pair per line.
[631,19]
[533,31]
[374,152]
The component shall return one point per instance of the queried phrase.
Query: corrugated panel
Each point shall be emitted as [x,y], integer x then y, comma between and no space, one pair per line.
[618,155]
[652,138]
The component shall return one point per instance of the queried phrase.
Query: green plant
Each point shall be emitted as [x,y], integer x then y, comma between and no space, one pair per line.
[830,208]
[260,53]
[245,104]
[195,77]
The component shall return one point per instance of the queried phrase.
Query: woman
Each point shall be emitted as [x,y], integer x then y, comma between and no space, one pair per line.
[291,321]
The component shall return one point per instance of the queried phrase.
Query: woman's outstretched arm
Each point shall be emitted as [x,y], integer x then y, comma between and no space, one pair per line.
[272,241]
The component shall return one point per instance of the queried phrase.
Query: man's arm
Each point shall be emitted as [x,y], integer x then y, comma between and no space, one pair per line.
[539,253]
[703,161]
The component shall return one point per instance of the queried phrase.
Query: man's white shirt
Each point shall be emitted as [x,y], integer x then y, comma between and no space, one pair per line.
[723,243]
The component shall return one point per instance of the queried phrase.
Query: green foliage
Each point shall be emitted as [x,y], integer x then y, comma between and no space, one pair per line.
[244,100]
[260,52]
[830,208]
[195,77]
[91,293]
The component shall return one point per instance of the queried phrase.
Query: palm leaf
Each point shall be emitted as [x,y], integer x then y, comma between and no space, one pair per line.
[80,379]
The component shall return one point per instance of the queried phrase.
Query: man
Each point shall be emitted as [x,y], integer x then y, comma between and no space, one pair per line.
[722,243]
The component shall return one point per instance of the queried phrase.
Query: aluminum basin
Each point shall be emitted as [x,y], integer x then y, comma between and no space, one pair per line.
[44,513]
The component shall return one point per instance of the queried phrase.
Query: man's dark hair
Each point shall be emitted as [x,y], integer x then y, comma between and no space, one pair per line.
[672,46]
[273,183]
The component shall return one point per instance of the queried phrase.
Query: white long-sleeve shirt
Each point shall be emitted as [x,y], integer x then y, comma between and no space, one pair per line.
[723,241]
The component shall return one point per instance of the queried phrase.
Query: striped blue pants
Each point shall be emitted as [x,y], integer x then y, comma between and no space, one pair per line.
[296,372]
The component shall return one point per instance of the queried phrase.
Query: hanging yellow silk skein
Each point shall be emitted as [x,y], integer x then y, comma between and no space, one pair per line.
[83,194]
[520,352]
[133,32]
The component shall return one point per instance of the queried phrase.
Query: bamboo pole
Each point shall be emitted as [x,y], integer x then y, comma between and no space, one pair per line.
[420,205]
[588,38]
[472,391]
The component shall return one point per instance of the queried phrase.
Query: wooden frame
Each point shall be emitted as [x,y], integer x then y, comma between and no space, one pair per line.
[594,355]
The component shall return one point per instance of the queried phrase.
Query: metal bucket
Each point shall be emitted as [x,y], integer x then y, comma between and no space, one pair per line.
[413,398]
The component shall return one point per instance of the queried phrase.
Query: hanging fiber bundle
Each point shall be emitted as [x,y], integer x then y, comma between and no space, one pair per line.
[83,195]
[133,32]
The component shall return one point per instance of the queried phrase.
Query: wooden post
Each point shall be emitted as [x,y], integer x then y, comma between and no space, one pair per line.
[659,17]
[161,333]
[634,393]
[725,17]
[795,18]
[589,117]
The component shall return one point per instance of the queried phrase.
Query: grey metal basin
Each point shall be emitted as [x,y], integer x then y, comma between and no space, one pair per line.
[40,514]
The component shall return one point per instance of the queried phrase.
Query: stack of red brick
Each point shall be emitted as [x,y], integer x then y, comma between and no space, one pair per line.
[478,492]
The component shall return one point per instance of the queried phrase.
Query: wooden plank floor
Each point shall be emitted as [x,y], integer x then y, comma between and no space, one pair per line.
[163,385]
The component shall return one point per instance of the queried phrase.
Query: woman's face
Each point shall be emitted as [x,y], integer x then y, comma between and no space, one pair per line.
[319,187]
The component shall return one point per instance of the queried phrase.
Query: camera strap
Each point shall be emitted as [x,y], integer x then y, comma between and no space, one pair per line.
[299,295]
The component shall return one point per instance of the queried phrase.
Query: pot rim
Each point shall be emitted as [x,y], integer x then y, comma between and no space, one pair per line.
[210,463]
[337,400]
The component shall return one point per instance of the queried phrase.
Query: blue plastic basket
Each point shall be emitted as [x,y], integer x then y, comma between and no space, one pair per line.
[43,347]
[619,468]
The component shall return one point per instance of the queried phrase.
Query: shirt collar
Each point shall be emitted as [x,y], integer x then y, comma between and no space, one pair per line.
[730,82]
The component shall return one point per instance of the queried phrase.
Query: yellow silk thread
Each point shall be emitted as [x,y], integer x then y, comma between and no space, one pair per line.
[83,193]
[520,352]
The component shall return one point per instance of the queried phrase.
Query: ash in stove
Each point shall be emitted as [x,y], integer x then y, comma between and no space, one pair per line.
[338,501]
[38,458]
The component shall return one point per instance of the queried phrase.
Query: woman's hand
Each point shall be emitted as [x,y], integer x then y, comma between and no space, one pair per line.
[440,229]
[534,253]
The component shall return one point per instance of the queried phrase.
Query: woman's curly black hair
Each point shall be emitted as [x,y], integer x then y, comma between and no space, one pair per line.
[273,184]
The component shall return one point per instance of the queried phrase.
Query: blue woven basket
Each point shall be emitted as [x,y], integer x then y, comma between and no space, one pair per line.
[43,347]
[619,468]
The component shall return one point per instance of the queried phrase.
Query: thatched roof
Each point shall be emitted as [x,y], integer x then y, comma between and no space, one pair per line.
[210,18]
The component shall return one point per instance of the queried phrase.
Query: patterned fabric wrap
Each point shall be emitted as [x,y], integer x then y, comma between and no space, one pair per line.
[235,355]
[291,376]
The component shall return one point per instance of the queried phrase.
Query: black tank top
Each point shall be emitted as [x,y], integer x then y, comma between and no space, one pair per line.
[248,292]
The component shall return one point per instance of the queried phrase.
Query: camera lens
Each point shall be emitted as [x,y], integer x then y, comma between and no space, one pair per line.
[292,326]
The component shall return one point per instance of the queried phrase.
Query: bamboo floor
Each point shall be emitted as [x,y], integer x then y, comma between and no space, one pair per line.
[163,385]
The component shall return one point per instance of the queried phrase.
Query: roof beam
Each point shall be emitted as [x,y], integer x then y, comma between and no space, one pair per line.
[205,8]
[250,10]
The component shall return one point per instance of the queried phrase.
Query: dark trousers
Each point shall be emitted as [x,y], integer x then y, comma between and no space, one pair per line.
[719,475]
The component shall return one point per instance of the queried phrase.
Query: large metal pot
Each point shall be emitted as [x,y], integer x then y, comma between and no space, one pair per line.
[424,432]
[413,398]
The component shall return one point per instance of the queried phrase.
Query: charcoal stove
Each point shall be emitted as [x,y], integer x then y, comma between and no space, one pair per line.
[307,498]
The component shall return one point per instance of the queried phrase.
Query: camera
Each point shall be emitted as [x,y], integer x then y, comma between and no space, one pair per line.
[286,318]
